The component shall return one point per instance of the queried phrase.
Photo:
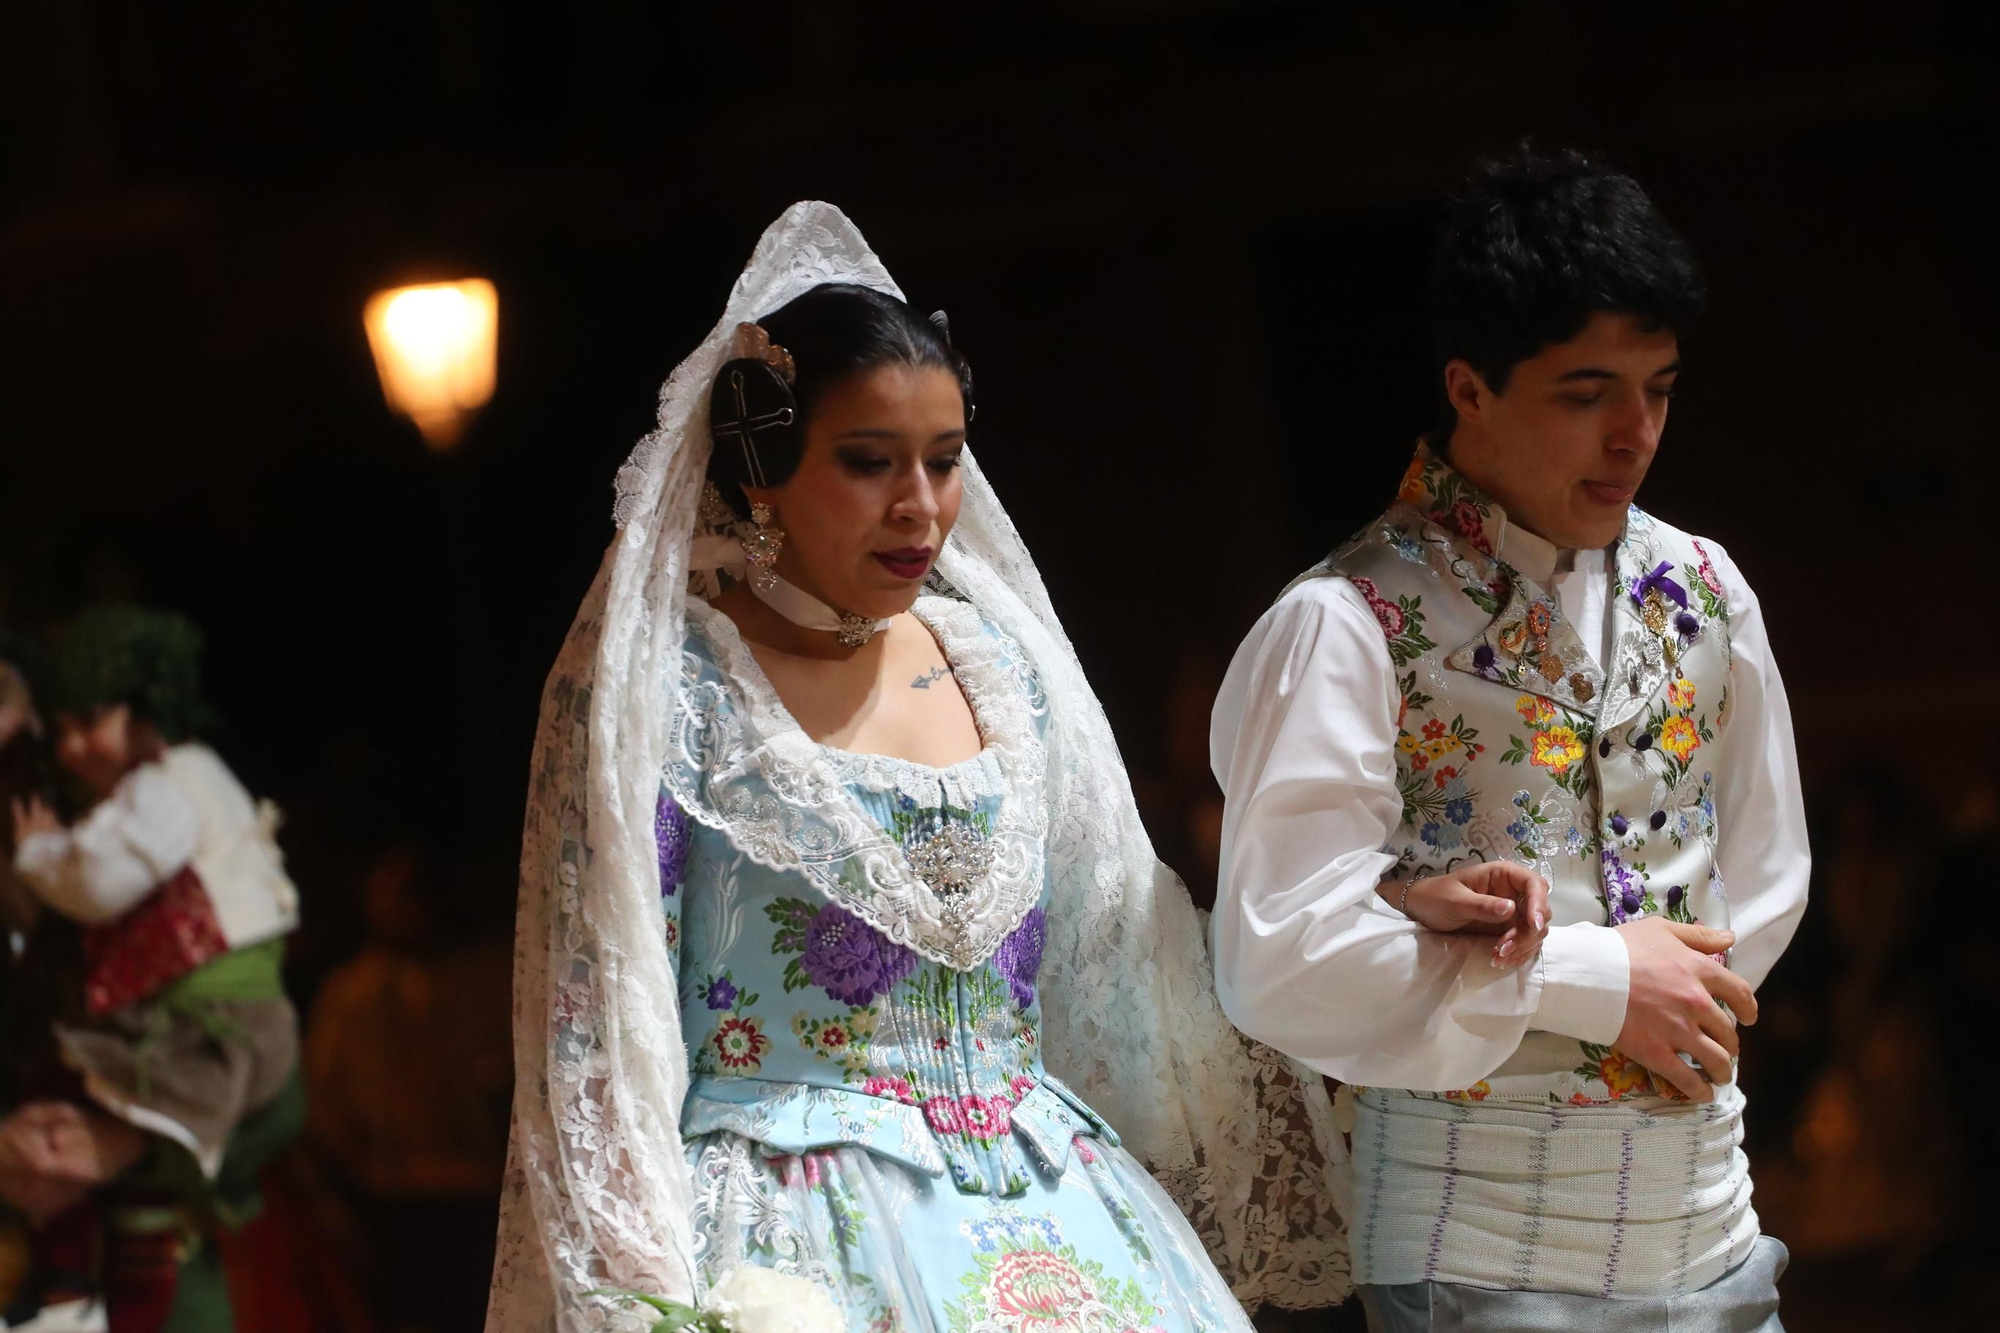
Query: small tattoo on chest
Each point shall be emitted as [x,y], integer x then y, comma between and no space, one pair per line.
[931,677]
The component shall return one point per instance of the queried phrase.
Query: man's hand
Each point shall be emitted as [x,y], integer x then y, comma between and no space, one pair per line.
[33,1141]
[52,1154]
[1483,898]
[1672,1008]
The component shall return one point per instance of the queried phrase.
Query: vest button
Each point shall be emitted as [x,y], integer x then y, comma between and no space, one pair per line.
[1604,747]
[1643,741]
[1659,820]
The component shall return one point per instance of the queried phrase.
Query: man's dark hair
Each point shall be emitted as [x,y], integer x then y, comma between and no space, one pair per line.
[1534,245]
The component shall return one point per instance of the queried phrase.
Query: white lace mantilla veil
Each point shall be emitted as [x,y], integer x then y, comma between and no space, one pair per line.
[598,1194]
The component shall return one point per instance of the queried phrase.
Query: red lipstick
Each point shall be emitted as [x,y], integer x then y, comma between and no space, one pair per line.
[910,562]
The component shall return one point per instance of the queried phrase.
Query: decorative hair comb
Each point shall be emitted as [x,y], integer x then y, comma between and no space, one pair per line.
[942,322]
[753,344]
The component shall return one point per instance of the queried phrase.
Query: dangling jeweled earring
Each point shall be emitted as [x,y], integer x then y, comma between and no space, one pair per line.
[761,548]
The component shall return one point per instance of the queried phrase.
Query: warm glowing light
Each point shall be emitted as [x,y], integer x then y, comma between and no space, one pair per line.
[434,349]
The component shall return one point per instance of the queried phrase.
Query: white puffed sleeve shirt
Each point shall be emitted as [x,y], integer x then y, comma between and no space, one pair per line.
[185,809]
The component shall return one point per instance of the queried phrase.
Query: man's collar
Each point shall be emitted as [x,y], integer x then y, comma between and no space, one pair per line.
[1529,644]
[1533,555]
[1450,499]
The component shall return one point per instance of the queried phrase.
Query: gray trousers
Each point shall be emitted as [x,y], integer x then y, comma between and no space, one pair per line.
[1743,1300]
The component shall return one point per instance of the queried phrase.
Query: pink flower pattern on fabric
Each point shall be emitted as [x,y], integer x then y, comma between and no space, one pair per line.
[1037,1287]
[986,1118]
[1387,613]
[944,1115]
[1465,519]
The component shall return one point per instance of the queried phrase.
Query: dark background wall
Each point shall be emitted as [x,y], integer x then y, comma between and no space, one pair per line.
[1183,244]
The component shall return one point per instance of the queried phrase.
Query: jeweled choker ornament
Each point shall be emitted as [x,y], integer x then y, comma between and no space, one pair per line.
[809,612]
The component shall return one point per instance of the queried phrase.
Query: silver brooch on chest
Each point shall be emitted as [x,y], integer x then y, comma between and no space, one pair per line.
[952,862]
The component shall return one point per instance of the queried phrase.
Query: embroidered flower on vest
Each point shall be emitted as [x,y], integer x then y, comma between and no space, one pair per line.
[851,960]
[1019,957]
[740,1043]
[670,831]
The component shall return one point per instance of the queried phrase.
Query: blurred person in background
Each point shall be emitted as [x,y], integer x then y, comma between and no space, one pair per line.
[1965,990]
[21,756]
[1868,1003]
[23,774]
[160,1058]
[1175,790]
[407,1058]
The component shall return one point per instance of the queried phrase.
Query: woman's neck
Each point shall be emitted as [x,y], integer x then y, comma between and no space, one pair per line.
[763,627]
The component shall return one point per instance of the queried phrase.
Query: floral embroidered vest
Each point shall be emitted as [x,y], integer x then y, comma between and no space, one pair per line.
[1513,743]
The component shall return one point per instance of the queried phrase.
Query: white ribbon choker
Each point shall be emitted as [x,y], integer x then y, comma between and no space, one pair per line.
[809,612]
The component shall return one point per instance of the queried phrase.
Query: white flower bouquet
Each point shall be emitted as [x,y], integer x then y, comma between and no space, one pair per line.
[749,1299]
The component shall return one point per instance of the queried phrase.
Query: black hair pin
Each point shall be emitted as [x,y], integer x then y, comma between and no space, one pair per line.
[942,322]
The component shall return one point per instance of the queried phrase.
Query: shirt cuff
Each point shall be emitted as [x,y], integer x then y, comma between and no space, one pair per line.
[1586,976]
[40,856]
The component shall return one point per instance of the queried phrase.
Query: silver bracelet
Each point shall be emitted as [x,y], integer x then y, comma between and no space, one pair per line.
[1404,905]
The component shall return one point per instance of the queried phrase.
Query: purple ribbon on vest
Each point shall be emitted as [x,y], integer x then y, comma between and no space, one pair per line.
[1661,579]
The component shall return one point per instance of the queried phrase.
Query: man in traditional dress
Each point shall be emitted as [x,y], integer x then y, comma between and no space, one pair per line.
[1516,694]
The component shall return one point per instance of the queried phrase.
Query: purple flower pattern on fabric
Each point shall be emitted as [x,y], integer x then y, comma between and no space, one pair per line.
[851,960]
[1019,956]
[721,993]
[670,831]
[1623,893]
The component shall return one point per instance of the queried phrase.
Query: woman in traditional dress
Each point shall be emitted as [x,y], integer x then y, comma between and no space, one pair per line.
[842,950]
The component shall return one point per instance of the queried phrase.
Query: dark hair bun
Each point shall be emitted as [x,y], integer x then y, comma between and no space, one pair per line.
[753,422]
[757,421]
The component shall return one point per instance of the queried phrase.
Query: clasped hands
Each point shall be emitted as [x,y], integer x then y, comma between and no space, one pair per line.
[1681,999]
[53,1154]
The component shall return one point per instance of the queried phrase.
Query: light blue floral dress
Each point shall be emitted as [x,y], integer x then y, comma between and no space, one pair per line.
[879,1121]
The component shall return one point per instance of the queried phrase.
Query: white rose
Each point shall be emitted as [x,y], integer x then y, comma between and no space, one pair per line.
[752,1299]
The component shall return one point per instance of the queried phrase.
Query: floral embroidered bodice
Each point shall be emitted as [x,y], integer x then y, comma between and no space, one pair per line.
[806,1024]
